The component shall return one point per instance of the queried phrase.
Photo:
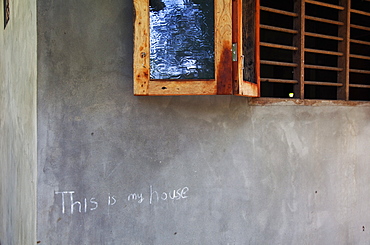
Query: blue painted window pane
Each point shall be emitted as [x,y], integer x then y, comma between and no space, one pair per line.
[182,39]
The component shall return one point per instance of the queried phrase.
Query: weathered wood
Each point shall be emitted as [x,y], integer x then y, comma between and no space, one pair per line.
[359,86]
[182,87]
[360,12]
[306,102]
[334,22]
[320,51]
[317,83]
[344,47]
[141,47]
[360,71]
[365,28]
[328,68]
[247,40]
[342,67]
[222,84]
[363,57]
[274,28]
[278,63]
[246,35]
[278,46]
[278,11]
[325,4]
[359,42]
[223,46]
[298,41]
[277,80]
[323,36]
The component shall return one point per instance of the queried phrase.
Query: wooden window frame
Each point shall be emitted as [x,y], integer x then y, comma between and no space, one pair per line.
[243,15]
[231,35]
[222,84]
[228,73]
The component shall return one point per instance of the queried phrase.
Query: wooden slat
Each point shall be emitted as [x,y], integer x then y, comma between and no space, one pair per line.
[360,42]
[274,28]
[359,71]
[360,12]
[328,68]
[323,83]
[182,87]
[334,22]
[365,28]
[311,34]
[344,46]
[359,86]
[273,45]
[299,41]
[278,11]
[325,4]
[319,51]
[363,57]
[277,63]
[141,47]
[276,80]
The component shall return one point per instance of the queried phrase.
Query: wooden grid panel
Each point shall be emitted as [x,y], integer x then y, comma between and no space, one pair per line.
[330,50]
[269,46]
[360,49]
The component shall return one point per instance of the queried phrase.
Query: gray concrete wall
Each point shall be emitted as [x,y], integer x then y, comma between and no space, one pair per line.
[242,174]
[18,149]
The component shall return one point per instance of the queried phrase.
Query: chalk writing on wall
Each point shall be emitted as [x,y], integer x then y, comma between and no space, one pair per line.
[70,205]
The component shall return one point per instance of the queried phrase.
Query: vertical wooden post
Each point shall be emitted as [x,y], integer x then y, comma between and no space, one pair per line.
[344,47]
[257,45]
[141,47]
[236,19]
[298,55]
[223,46]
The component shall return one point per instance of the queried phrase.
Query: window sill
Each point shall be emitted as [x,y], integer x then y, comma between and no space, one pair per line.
[298,102]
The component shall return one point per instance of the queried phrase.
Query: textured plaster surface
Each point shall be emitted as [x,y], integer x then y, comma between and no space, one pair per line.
[18,145]
[242,174]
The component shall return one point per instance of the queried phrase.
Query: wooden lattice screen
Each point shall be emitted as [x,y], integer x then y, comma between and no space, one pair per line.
[315,49]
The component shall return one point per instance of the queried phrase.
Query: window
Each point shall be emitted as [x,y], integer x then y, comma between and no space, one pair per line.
[185,47]
[315,49]
[300,49]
